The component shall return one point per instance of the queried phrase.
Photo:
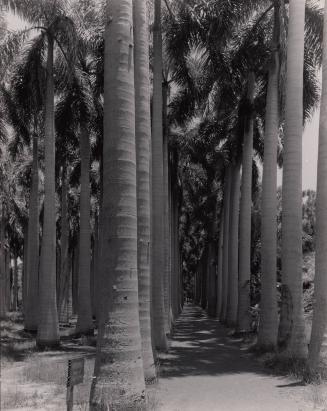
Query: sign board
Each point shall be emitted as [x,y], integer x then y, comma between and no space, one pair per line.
[75,371]
[75,376]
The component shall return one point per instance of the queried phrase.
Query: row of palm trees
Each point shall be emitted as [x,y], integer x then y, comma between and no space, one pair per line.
[79,96]
[288,104]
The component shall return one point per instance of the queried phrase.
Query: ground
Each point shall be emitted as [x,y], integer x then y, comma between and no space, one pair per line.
[205,369]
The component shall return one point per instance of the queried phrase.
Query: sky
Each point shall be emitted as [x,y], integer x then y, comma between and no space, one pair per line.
[309,141]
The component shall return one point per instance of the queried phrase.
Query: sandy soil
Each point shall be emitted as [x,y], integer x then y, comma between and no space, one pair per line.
[206,370]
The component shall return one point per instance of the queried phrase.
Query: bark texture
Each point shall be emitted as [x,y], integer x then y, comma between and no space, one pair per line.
[118,382]
[143,141]
[268,325]
[319,323]
[243,318]
[158,200]
[291,328]
[32,262]
[48,327]
[84,309]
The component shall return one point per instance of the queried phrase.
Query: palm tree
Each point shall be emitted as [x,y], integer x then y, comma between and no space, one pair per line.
[232,301]
[226,230]
[56,29]
[32,266]
[268,325]
[319,324]
[157,233]
[118,375]
[3,306]
[84,320]
[291,329]
[143,141]
[243,320]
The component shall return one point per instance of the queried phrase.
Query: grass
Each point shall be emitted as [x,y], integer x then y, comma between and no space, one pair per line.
[16,398]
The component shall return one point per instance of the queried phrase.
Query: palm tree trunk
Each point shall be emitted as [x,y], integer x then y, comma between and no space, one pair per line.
[227,198]
[32,266]
[48,327]
[220,265]
[319,323]
[291,330]
[243,318]
[157,264]
[268,324]
[75,272]
[15,285]
[232,303]
[24,272]
[3,308]
[143,141]
[167,256]
[204,268]
[174,236]
[84,309]
[118,376]
[64,255]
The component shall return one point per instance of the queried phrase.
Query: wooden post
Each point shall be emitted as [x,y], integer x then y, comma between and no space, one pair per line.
[75,376]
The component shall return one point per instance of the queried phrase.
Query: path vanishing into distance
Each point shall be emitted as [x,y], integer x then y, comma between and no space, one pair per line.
[205,370]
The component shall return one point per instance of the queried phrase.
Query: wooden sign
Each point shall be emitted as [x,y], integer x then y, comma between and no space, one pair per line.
[75,376]
[75,371]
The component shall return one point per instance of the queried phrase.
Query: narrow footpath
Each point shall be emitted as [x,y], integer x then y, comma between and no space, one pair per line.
[205,370]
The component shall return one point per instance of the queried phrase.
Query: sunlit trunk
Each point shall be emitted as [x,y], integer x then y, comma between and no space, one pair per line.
[158,200]
[243,317]
[292,330]
[143,141]
[32,263]
[319,323]
[118,382]
[268,324]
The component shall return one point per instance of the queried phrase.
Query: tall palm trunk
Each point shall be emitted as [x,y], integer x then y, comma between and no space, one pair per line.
[220,265]
[227,196]
[167,256]
[24,272]
[64,255]
[291,329]
[84,309]
[243,318]
[232,302]
[174,235]
[75,272]
[157,263]
[48,328]
[319,323]
[268,325]
[143,141]
[118,376]
[32,266]
[15,285]
[212,264]
[3,307]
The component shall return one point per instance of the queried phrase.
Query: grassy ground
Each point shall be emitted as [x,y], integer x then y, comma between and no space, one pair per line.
[32,380]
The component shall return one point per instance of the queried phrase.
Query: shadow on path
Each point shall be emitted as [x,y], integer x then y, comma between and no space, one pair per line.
[200,347]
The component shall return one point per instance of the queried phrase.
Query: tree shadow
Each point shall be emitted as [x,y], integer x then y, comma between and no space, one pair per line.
[200,346]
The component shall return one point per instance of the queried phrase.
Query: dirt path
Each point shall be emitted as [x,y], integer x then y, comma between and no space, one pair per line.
[207,371]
